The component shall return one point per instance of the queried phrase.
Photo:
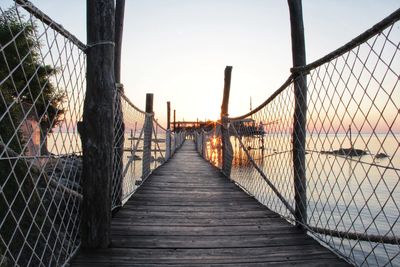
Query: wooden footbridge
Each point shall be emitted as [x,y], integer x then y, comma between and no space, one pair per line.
[87,178]
[189,214]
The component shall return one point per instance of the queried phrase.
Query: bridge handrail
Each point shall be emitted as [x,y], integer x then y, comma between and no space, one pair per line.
[28,6]
[360,39]
[40,148]
[355,85]
[128,172]
[132,105]
[267,101]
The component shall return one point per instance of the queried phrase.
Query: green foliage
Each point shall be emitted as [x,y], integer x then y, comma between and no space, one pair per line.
[22,226]
[24,79]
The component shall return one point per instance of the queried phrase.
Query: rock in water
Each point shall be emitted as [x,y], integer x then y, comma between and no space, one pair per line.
[381,156]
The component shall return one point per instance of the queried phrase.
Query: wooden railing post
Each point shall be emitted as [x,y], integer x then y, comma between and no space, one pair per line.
[199,142]
[300,113]
[227,151]
[168,133]
[119,26]
[148,130]
[119,138]
[174,120]
[227,88]
[119,128]
[204,144]
[97,128]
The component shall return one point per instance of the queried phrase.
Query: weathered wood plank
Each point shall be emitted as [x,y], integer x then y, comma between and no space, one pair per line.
[191,208]
[163,230]
[190,215]
[192,257]
[196,221]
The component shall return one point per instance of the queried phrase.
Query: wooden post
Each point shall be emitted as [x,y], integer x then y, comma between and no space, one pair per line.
[227,88]
[300,112]
[119,138]
[119,119]
[227,151]
[168,133]
[148,130]
[168,115]
[174,120]
[119,26]
[204,144]
[97,128]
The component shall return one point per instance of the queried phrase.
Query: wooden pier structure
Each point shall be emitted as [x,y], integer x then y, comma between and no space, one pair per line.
[187,213]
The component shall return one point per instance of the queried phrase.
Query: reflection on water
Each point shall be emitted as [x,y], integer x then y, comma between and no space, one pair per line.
[355,194]
[214,150]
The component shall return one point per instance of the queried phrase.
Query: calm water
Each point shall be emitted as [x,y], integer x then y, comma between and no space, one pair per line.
[355,194]
[63,143]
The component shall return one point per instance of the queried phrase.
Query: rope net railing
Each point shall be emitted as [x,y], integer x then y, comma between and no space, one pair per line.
[265,138]
[353,167]
[351,153]
[158,149]
[131,127]
[42,88]
[128,133]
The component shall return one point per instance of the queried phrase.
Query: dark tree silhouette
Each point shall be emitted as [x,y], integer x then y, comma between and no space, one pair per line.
[24,80]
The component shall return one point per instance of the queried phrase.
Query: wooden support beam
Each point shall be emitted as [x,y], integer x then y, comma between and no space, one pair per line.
[97,128]
[168,115]
[174,120]
[227,151]
[119,27]
[227,88]
[300,112]
[119,127]
[168,133]
[148,131]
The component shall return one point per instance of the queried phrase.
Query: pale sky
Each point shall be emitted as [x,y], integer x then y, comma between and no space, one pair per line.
[178,49]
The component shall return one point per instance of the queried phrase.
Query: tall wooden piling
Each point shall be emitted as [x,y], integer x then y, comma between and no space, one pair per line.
[119,127]
[174,120]
[119,130]
[119,27]
[300,112]
[168,134]
[227,151]
[148,130]
[96,130]
[227,88]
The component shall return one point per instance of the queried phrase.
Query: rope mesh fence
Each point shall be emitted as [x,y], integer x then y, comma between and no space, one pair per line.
[265,137]
[352,148]
[158,145]
[129,153]
[42,88]
[353,167]
[129,132]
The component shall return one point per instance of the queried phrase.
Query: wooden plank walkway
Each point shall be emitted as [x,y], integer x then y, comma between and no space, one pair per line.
[188,214]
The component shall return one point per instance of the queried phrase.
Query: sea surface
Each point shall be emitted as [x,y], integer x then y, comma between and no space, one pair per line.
[359,194]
